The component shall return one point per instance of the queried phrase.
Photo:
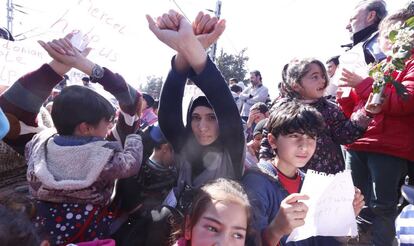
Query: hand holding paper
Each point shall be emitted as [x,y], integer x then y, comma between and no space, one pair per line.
[332,199]
[291,215]
[358,202]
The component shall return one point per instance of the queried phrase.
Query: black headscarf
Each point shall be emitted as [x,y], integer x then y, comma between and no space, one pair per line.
[197,152]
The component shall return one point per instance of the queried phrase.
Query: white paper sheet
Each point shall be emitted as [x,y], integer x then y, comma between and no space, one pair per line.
[330,206]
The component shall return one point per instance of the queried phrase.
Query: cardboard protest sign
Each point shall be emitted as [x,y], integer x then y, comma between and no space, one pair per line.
[330,206]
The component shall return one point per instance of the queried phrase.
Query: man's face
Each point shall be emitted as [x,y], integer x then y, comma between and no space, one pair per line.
[358,20]
[331,68]
[255,80]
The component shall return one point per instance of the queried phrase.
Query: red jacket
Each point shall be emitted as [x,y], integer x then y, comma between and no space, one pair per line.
[392,131]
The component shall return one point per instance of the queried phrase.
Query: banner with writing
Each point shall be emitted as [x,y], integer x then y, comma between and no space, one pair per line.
[118,40]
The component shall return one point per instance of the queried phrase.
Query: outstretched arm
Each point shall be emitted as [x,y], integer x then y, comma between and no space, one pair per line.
[128,98]
[23,100]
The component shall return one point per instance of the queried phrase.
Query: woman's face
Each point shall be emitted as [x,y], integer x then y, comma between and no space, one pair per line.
[204,125]
[223,223]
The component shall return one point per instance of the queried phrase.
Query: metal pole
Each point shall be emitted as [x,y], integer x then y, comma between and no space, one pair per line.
[10,16]
[214,46]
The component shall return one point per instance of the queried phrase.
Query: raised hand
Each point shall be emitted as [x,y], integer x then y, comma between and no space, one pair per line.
[350,79]
[208,29]
[291,214]
[172,29]
[63,51]
[175,31]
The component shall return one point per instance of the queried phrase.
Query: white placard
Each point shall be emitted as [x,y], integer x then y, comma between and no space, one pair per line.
[330,206]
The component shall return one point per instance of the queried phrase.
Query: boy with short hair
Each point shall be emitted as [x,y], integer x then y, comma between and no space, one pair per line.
[72,173]
[272,187]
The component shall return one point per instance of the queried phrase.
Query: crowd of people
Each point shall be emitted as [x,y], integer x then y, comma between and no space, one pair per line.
[131,172]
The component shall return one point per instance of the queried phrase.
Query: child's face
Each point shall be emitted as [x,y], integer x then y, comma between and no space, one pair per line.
[204,125]
[293,150]
[313,83]
[102,129]
[223,223]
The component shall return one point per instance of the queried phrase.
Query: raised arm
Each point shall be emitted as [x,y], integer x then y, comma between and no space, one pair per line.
[22,101]
[128,98]
[173,30]
[170,117]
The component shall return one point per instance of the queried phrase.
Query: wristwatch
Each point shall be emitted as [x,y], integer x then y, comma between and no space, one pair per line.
[97,73]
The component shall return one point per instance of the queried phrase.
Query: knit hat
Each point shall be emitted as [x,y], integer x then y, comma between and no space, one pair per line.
[258,129]
[149,99]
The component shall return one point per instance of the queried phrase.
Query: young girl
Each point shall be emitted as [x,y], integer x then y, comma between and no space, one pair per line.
[219,215]
[307,80]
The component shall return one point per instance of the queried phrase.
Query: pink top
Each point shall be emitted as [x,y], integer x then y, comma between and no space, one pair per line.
[181,242]
[148,117]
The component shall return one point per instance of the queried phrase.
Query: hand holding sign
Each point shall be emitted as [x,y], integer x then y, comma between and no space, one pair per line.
[291,214]
[332,198]
[358,202]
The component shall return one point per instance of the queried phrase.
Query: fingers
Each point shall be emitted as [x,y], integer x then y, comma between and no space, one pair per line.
[86,51]
[200,28]
[295,197]
[70,35]
[67,45]
[196,21]
[210,25]
[254,111]
[218,29]
[174,17]
[358,202]
[346,71]
[152,25]
[57,47]
[167,22]
[50,49]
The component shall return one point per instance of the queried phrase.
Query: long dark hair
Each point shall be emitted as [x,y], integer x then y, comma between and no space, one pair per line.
[296,70]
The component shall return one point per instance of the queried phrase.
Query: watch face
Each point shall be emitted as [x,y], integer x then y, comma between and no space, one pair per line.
[97,72]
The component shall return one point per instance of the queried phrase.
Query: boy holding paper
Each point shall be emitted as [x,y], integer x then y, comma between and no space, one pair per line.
[273,187]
